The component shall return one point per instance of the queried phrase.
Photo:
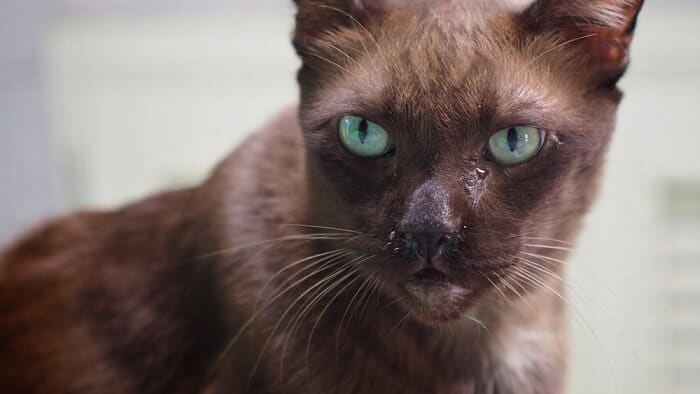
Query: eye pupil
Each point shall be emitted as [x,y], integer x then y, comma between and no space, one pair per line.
[362,130]
[512,139]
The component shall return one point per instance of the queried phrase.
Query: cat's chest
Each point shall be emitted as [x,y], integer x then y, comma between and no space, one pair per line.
[503,381]
[517,367]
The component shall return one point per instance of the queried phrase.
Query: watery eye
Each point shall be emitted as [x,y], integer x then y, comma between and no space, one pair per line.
[363,138]
[516,144]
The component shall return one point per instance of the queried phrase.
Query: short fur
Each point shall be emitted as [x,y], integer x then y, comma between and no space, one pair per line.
[292,270]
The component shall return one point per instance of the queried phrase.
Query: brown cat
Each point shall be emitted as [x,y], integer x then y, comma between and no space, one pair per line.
[402,231]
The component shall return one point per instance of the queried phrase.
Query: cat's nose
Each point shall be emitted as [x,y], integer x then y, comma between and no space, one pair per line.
[426,243]
[429,222]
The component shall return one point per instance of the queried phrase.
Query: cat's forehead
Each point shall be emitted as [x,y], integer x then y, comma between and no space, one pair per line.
[442,66]
[447,67]
[447,75]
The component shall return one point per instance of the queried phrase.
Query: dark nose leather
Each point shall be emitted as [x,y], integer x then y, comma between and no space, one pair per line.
[426,243]
[428,221]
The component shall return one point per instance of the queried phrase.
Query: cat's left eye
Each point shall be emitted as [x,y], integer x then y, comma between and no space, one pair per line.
[364,138]
[516,145]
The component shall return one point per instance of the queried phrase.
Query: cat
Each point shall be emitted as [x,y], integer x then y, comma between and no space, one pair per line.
[402,230]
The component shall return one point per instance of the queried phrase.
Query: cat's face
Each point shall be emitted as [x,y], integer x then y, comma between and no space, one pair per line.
[463,140]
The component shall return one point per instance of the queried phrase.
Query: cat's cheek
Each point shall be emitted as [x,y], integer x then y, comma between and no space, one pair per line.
[475,179]
[353,179]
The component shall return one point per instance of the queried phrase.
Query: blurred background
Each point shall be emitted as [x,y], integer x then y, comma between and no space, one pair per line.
[105,101]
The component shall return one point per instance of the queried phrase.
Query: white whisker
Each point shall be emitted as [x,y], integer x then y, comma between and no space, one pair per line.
[549,247]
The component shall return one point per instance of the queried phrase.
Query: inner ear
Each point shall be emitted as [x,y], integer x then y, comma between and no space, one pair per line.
[601,29]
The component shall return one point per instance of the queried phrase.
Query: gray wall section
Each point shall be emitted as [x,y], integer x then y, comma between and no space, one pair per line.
[181,6]
[28,171]
[30,174]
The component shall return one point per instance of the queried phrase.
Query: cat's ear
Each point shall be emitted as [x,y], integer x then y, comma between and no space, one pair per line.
[603,29]
[317,17]
[329,33]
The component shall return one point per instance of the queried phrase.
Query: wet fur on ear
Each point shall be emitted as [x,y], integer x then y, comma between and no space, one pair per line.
[602,28]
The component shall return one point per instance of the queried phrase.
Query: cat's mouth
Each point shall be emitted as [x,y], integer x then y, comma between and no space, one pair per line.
[432,296]
[431,276]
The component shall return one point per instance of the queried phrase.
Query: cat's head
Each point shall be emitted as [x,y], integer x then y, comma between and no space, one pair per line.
[464,139]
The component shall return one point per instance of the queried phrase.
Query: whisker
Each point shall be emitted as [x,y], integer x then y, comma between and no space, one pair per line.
[550,274]
[365,302]
[540,283]
[324,257]
[540,268]
[371,37]
[548,239]
[563,262]
[326,228]
[581,296]
[326,262]
[317,296]
[258,313]
[559,46]
[478,322]
[498,289]
[309,304]
[289,309]
[304,237]
[571,308]
[595,275]
[549,247]
[324,59]
[323,311]
[359,290]
[368,75]
[401,322]
[512,288]
[394,301]
[551,259]
[522,287]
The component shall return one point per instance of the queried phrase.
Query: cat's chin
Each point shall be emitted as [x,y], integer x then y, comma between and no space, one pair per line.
[435,302]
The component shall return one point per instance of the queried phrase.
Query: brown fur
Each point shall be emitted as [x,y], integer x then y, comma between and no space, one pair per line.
[208,289]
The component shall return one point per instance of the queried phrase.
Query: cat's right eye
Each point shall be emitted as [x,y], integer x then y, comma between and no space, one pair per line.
[516,145]
[364,138]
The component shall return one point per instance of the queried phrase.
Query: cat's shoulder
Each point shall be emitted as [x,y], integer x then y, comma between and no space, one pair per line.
[42,342]
[65,242]
[91,291]
[49,245]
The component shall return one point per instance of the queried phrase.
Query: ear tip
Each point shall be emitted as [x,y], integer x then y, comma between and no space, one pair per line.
[620,15]
[610,24]
[638,8]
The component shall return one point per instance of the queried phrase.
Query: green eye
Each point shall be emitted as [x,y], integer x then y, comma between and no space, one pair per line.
[363,138]
[516,144]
